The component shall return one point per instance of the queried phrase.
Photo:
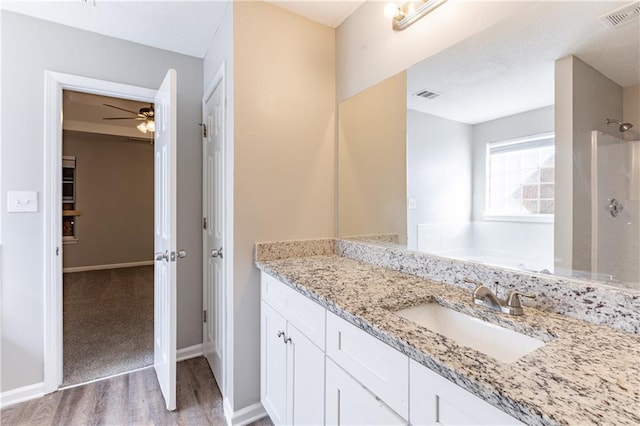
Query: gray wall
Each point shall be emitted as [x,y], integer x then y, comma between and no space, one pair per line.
[114,191]
[439,165]
[29,47]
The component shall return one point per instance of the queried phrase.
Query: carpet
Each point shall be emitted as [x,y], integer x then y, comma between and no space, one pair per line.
[107,322]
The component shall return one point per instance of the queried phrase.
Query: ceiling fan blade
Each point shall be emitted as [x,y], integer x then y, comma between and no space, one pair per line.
[122,109]
[123,118]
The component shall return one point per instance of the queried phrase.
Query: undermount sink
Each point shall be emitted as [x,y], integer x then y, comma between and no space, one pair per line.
[492,340]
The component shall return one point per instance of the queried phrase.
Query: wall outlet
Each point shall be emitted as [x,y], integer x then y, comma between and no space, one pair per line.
[22,201]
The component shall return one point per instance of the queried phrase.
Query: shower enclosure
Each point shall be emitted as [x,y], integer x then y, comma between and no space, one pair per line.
[615,209]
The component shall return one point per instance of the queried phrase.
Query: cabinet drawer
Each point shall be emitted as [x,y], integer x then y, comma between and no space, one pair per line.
[303,313]
[436,400]
[379,367]
[350,403]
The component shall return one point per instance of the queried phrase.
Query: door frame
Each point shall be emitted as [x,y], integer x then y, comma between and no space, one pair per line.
[226,387]
[54,84]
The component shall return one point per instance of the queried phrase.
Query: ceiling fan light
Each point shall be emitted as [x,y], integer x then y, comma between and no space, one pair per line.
[151,125]
[142,127]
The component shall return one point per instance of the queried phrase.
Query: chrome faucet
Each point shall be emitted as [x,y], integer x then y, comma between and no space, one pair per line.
[485,297]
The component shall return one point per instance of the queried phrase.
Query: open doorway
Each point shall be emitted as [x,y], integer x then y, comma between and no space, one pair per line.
[108,236]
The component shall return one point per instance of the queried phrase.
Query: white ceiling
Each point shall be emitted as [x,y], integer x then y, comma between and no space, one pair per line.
[185,27]
[509,68]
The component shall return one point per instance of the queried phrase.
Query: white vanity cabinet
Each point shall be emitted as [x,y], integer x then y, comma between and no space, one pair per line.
[317,368]
[435,400]
[292,365]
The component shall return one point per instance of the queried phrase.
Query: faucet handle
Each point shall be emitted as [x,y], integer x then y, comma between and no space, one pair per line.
[470,281]
[513,299]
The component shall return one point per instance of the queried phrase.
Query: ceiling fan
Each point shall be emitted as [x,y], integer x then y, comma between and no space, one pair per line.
[146,115]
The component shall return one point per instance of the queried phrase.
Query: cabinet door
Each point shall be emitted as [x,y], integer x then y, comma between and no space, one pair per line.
[350,403]
[273,362]
[379,367]
[435,400]
[306,384]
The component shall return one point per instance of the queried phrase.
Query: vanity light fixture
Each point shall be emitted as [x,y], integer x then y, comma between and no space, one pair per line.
[410,12]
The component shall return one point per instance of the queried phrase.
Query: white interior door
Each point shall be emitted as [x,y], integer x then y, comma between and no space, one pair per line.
[164,336]
[213,137]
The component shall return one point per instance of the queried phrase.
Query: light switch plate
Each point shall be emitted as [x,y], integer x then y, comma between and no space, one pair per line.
[411,203]
[22,201]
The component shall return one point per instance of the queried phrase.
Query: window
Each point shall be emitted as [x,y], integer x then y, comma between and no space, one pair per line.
[520,177]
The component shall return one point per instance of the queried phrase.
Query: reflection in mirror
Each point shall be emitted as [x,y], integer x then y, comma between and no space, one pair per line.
[513,144]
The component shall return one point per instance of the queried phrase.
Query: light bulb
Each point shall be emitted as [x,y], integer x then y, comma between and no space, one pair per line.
[392,11]
[142,127]
[151,125]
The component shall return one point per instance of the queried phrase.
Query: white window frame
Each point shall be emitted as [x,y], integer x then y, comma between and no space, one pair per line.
[531,218]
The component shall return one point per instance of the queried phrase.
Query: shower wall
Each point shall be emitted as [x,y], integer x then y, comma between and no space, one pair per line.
[616,175]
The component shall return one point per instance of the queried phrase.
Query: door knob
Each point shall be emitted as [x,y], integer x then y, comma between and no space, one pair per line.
[162,256]
[217,253]
[180,254]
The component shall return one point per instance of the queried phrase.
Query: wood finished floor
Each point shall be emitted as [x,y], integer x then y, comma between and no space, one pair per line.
[131,399]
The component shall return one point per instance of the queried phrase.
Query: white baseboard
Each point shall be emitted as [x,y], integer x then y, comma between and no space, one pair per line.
[243,416]
[190,352]
[102,267]
[22,394]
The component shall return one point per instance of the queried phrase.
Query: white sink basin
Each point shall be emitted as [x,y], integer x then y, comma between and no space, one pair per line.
[497,342]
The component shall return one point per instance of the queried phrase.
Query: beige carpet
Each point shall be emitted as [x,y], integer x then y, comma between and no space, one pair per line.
[108,322]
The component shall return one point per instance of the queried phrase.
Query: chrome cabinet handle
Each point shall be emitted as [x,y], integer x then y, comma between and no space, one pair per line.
[287,340]
[217,253]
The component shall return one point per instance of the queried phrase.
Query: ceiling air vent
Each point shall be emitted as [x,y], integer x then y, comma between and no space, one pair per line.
[426,94]
[623,15]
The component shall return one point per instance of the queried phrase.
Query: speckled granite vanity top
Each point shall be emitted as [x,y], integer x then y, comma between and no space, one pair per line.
[585,374]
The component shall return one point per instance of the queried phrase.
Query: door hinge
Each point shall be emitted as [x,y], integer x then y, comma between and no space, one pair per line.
[204,129]
[57,251]
[204,315]
[204,223]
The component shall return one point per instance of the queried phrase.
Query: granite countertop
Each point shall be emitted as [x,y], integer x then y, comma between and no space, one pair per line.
[584,374]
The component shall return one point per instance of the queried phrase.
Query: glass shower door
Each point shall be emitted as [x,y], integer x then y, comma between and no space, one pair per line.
[615,177]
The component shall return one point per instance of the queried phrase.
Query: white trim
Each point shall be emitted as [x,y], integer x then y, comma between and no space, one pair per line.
[522,139]
[533,218]
[243,416]
[189,352]
[111,266]
[99,379]
[22,394]
[54,84]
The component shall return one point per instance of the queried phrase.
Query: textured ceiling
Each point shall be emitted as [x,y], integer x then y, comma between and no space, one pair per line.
[509,68]
[185,27]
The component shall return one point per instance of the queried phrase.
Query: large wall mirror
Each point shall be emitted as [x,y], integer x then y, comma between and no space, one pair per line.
[512,148]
